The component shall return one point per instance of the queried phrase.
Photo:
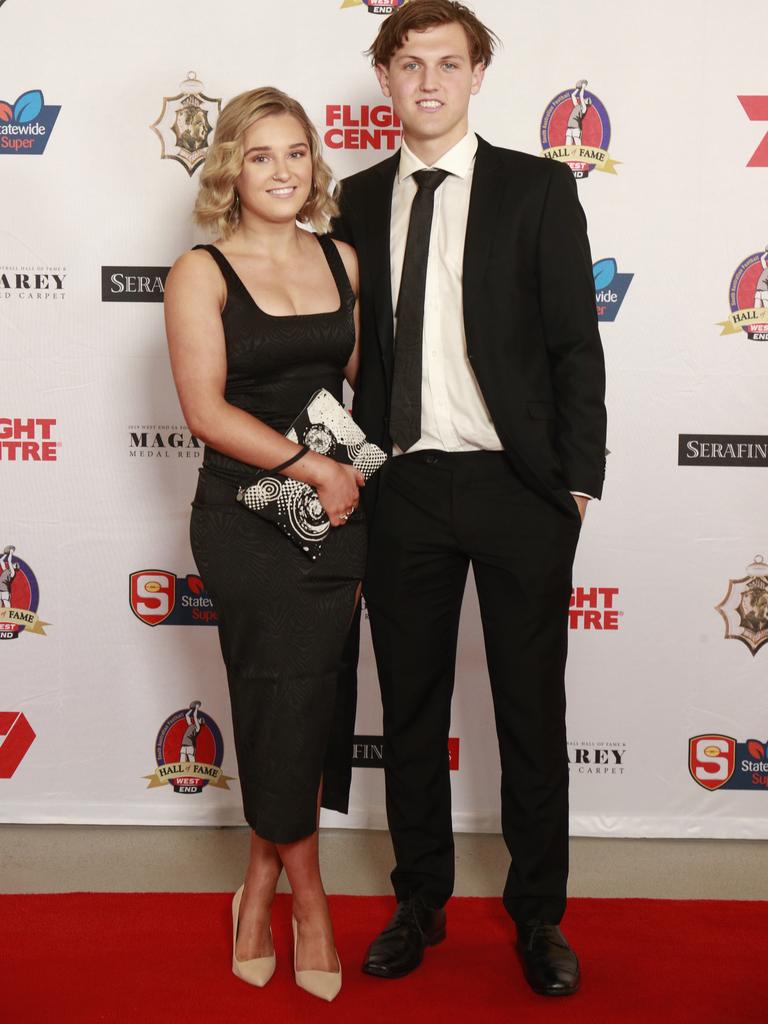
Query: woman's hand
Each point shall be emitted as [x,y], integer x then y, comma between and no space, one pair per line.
[337,488]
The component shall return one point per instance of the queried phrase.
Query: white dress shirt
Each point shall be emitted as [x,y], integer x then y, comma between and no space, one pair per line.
[454,416]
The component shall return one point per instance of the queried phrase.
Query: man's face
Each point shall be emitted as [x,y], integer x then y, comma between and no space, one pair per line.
[430,80]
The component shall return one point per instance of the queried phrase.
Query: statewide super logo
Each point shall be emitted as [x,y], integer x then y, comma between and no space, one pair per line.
[745,607]
[748,297]
[721,762]
[375,6]
[610,288]
[185,124]
[576,130]
[19,597]
[189,751]
[161,598]
[26,125]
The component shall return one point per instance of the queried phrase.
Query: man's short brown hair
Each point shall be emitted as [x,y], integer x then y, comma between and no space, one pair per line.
[418,15]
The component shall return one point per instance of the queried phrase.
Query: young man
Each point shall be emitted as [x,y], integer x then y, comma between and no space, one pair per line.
[482,371]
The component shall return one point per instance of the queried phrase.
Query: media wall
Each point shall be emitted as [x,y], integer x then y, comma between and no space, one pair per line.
[106,633]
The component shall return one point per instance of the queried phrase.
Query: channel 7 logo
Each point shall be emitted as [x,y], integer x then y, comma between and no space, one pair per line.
[756,109]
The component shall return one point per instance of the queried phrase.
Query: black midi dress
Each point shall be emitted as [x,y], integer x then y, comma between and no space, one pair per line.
[283,619]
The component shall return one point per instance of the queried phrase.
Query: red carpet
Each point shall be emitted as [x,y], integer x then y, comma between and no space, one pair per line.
[164,959]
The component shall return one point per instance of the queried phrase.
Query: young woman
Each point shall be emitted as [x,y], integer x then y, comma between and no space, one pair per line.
[256,323]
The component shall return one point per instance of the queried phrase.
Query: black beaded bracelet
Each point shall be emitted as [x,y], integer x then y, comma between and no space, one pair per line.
[299,455]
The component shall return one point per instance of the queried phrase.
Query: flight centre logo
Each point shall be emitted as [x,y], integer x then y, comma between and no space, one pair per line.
[19,597]
[375,6]
[160,598]
[721,762]
[745,607]
[611,288]
[361,127]
[185,124]
[576,130]
[748,298]
[594,608]
[27,124]
[189,751]
[28,440]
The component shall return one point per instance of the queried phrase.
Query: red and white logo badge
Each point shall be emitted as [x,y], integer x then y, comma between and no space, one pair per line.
[711,760]
[16,737]
[756,109]
[153,595]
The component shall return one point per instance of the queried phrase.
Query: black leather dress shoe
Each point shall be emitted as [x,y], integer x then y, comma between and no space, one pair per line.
[400,947]
[549,963]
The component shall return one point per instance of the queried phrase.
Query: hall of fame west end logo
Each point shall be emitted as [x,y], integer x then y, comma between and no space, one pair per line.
[189,751]
[748,298]
[374,6]
[745,607]
[19,597]
[576,130]
[185,124]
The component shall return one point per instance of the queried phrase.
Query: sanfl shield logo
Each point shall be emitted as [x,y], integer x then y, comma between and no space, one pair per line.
[26,125]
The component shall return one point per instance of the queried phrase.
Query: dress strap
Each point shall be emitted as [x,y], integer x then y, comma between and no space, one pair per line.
[226,268]
[339,271]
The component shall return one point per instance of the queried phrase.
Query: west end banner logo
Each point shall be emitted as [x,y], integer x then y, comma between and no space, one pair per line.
[576,130]
[745,607]
[160,598]
[375,6]
[721,762]
[189,751]
[610,288]
[748,298]
[185,124]
[19,597]
[26,125]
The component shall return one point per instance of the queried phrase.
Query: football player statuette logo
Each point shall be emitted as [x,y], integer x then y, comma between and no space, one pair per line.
[748,298]
[19,597]
[185,124]
[189,751]
[576,130]
[745,607]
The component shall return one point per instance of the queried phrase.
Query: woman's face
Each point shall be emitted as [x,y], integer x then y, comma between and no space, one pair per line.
[277,169]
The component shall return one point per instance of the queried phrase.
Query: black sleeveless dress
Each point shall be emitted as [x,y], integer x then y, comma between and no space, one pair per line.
[283,619]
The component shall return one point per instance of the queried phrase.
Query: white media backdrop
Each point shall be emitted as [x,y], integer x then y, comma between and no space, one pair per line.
[668,719]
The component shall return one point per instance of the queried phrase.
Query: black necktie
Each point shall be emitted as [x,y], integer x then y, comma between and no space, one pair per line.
[405,412]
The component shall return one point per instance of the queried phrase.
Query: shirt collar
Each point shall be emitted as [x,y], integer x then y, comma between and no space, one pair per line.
[458,159]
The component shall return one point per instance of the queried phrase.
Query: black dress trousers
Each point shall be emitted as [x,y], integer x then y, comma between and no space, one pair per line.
[436,514]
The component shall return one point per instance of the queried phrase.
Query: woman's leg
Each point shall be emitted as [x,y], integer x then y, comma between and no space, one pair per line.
[316,946]
[264,867]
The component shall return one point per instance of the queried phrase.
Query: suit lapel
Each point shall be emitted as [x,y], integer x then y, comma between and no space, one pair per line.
[379,213]
[482,221]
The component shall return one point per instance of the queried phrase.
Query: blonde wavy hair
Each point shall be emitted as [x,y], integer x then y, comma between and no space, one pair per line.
[218,205]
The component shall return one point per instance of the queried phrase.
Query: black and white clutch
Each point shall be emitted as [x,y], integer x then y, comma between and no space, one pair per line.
[324,426]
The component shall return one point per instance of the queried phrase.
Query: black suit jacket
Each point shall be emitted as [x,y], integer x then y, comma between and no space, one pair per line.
[529,315]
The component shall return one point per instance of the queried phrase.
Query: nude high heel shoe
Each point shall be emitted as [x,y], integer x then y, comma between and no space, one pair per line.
[323,984]
[257,971]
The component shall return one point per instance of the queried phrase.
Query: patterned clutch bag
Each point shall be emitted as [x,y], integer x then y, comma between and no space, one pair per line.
[325,426]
